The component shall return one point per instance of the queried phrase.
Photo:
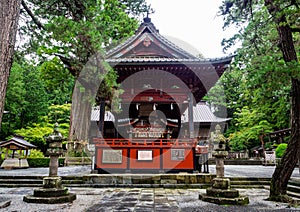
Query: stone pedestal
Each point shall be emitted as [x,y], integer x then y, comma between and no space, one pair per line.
[220,193]
[52,192]
[12,163]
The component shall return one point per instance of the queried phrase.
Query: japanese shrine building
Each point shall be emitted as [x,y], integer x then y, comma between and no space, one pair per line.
[160,82]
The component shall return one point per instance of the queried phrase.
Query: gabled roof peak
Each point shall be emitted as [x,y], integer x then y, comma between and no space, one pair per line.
[147,20]
[147,42]
[147,23]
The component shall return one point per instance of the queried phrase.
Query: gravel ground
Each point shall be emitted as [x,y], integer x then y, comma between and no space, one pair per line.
[90,199]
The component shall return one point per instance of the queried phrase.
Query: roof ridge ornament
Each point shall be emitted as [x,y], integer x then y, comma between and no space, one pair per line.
[148,12]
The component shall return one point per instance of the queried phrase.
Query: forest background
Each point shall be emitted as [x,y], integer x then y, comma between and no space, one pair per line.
[255,92]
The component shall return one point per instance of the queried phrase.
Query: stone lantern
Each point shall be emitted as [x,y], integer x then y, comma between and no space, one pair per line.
[221,192]
[55,150]
[52,192]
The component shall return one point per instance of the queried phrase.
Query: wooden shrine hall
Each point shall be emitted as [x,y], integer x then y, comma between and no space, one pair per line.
[160,82]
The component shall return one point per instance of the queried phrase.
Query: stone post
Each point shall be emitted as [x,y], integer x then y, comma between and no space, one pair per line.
[219,166]
[55,150]
[219,153]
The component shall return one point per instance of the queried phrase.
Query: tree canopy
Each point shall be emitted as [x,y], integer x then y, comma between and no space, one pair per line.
[64,35]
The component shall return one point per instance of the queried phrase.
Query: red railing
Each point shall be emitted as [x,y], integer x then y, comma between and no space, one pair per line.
[116,142]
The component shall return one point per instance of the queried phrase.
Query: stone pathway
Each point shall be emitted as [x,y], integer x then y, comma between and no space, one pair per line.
[139,200]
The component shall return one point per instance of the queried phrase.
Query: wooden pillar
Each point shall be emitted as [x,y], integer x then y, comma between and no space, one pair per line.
[6,155]
[179,122]
[101,115]
[116,132]
[191,115]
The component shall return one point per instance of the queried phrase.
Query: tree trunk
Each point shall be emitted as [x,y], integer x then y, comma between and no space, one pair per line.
[10,10]
[84,94]
[80,115]
[288,162]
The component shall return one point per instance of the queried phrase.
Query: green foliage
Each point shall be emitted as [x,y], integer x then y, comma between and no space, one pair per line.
[15,99]
[59,113]
[256,90]
[16,91]
[77,30]
[62,37]
[77,153]
[57,81]
[26,99]
[280,150]
[83,29]
[37,132]
[43,162]
[36,104]
[35,153]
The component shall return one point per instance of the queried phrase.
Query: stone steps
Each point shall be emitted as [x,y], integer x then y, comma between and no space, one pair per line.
[249,182]
[78,161]
[168,186]
[293,188]
[36,181]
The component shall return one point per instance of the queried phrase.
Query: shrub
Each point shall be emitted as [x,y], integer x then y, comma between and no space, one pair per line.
[35,153]
[280,150]
[43,162]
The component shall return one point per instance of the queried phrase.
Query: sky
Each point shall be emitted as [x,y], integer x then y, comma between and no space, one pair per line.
[194,22]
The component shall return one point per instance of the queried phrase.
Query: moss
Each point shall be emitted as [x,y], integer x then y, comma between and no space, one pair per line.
[282,198]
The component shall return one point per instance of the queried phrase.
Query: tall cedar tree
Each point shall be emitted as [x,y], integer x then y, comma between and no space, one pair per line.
[289,160]
[10,10]
[76,31]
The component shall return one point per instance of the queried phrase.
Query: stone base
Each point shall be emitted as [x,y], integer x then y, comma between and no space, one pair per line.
[228,193]
[221,183]
[221,194]
[225,201]
[50,200]
[14,163]
[52,182]
[52,192]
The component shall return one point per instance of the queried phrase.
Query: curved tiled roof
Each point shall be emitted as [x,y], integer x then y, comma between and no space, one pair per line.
[18,141]
[170,60]
[148,28]
[203,114]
